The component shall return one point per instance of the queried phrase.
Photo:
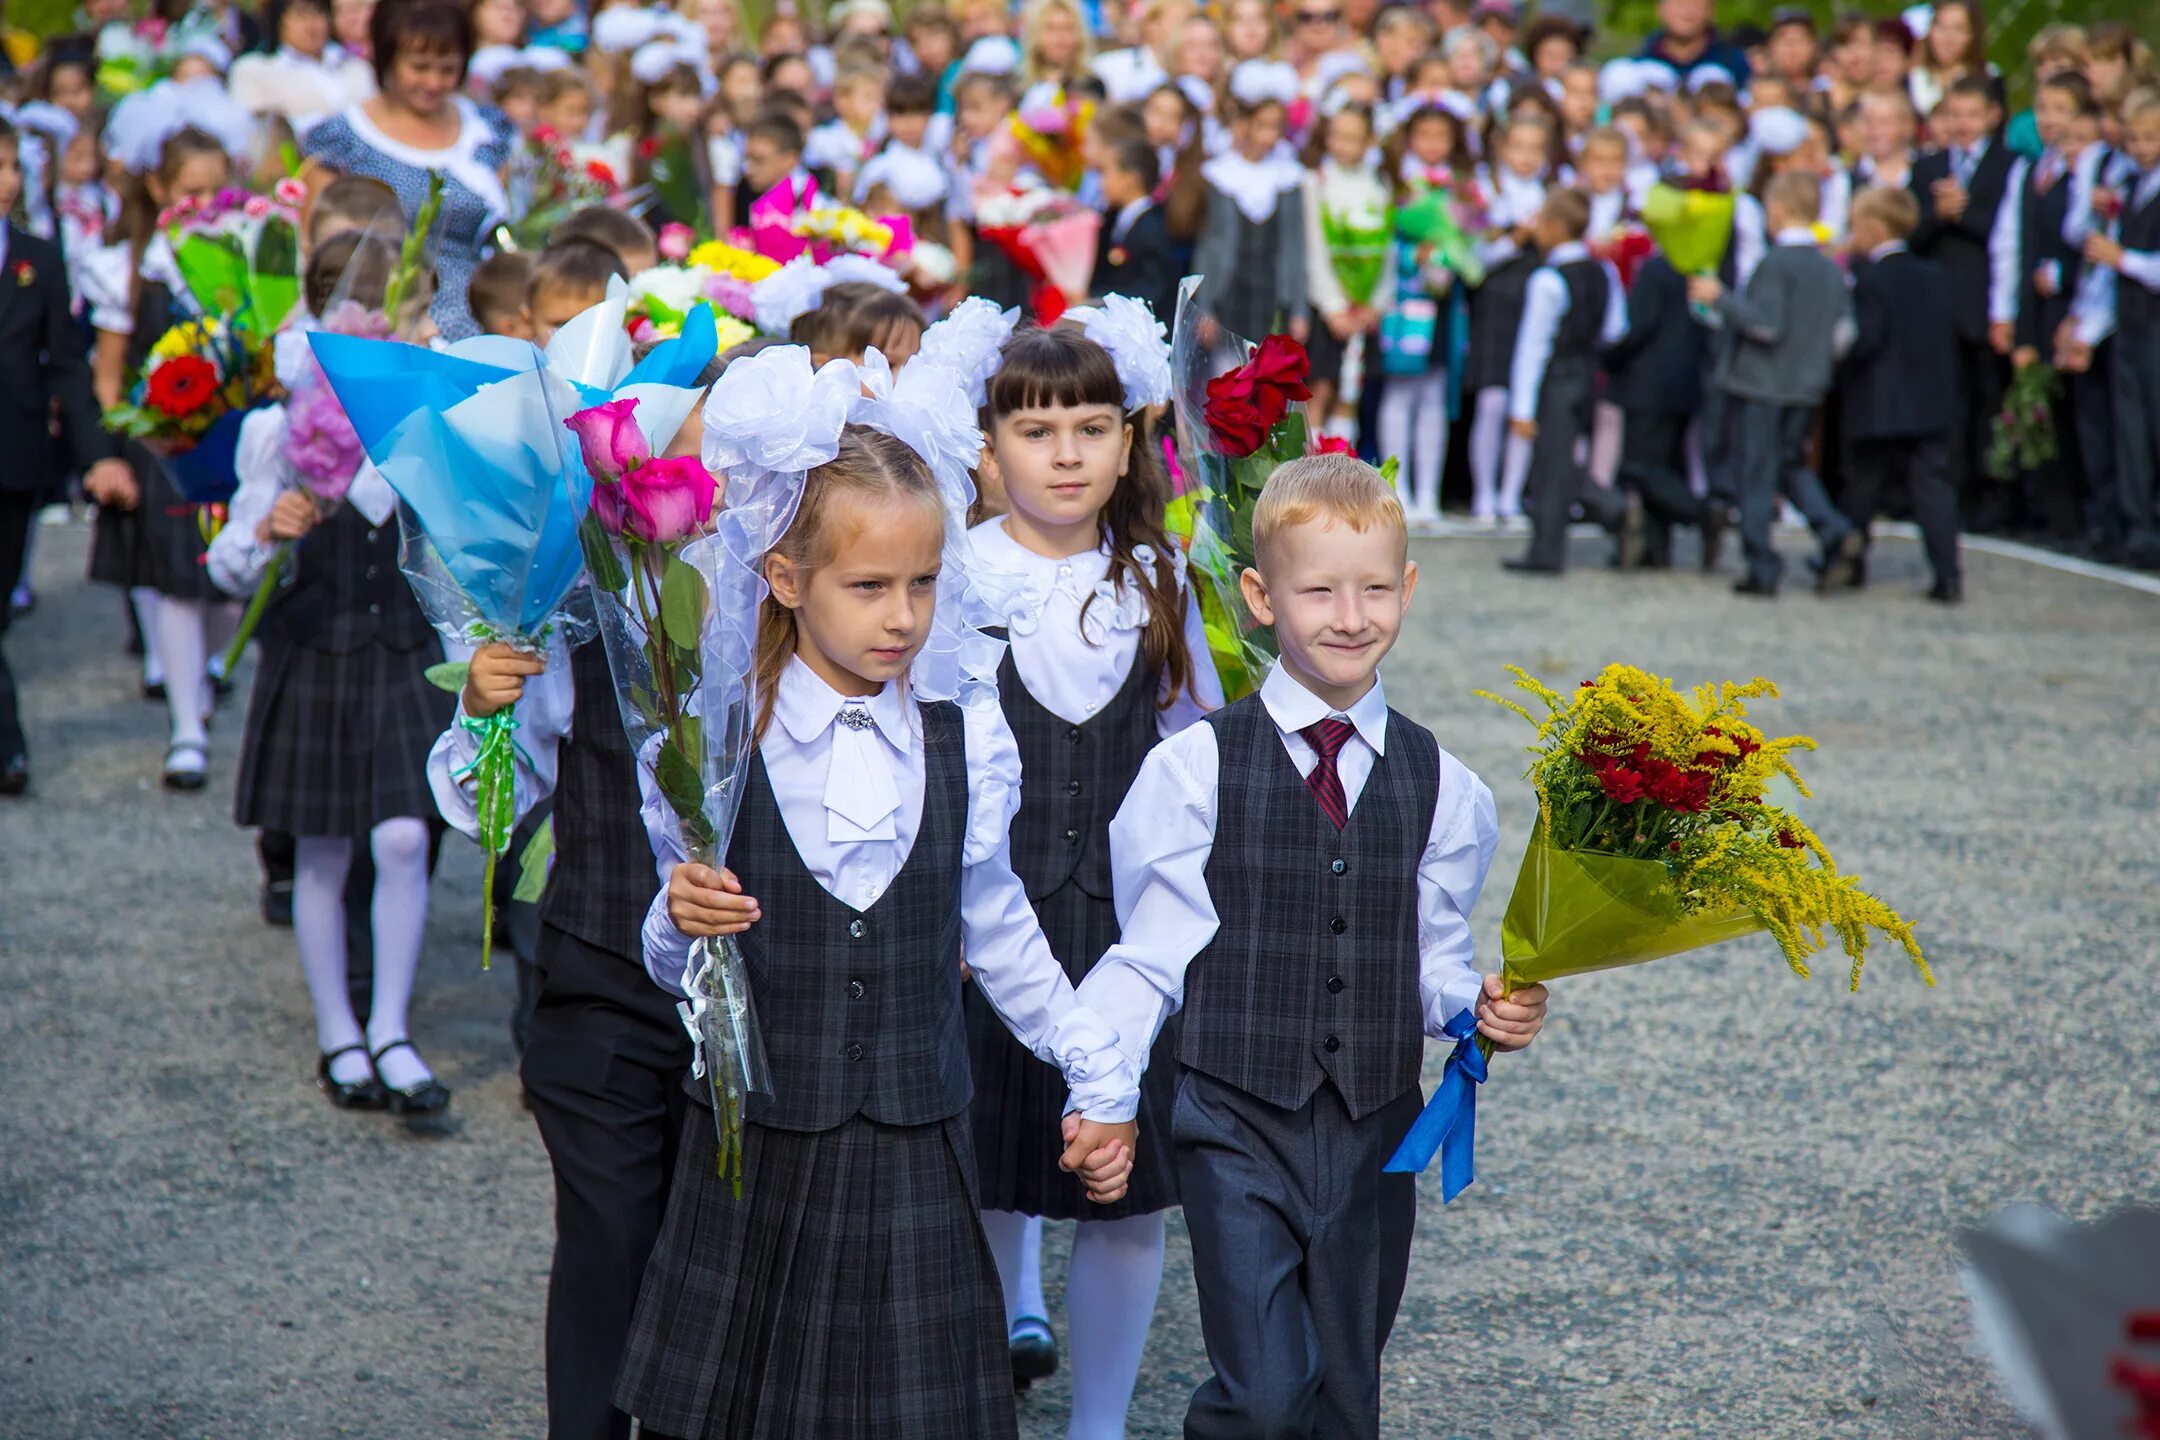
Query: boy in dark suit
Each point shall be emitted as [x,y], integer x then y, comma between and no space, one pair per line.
[41,359]
[1899,386]
[1959,189]
[1654,374]
[2130,250]
[1135,257]
[1789,326]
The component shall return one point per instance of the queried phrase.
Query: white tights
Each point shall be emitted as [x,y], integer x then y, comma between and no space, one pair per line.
[178,639]
[1499,459]
[1110,1294]
[399,914]
[1414,428]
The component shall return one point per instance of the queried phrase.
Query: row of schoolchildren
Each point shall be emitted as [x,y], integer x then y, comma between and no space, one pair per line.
[882,1268]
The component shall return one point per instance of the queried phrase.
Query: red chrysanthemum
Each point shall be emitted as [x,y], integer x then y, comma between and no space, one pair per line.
[182,385]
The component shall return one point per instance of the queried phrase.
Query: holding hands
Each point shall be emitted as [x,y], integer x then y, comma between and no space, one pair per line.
[1511,1022]
[1101,1155]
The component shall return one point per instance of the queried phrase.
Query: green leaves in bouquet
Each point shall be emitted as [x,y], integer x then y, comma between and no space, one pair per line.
[533,864]
[600,557]
[675,771]
[448,675]
[682,604]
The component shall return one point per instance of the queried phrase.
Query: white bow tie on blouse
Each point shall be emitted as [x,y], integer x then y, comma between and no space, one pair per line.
[860,798]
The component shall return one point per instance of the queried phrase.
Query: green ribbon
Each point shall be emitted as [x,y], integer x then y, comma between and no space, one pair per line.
[494,775]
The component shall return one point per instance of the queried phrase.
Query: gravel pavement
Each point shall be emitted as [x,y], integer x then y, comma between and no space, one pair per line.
[1714,1200]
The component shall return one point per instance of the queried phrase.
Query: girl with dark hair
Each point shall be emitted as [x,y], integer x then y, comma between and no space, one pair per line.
[421,125]
[1107,656]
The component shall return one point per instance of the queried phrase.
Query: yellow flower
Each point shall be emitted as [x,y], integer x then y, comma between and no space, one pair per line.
[733,260]
[732,332]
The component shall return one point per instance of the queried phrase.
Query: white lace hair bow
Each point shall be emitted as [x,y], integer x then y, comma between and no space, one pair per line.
[799,287]
[926,408]
[657,58]
[1256,81]
[970,343]
[625,27]
[772,414]
[1138,345]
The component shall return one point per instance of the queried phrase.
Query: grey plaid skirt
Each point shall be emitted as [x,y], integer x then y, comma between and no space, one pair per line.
[160,543]
[1019,1100]
[849,1293]
[337,743]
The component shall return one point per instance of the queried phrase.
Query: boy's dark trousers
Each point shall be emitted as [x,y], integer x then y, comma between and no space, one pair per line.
[2092,405]
[1653,464]
[1772,460]
[1924,464]
[1301,1247]
[1566,401]
[2136,363]
[1981,375]
[18,512]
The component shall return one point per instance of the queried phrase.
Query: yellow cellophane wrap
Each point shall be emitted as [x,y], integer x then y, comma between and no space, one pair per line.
[1575,912]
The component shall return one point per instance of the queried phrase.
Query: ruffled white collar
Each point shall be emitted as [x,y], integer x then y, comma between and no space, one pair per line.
[807,707]
[1019,584]
[1253,186]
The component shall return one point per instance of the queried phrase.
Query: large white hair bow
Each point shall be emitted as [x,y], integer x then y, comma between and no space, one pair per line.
[1138,344]
[969,343]
[771,413]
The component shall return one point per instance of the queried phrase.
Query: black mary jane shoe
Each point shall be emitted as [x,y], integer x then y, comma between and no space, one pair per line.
[354,1094]
[1034,1352]
[429,1097]
[184,778]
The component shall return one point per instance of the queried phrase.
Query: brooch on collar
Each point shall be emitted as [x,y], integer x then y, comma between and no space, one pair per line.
[856,718]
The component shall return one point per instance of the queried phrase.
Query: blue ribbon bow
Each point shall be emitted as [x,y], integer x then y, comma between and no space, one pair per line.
[1447,1126]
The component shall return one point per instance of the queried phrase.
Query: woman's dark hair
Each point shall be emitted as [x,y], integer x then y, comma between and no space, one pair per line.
[433,26]
[1061,367]
[273,19]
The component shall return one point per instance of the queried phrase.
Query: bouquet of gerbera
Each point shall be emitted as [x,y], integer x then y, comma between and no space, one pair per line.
[1050,130]
[563,182]
[197,384]
[1235,428]
[239,254]
[2022,438]
[1657,833]
[665,297]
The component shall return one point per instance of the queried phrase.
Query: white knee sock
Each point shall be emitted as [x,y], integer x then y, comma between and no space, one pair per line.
[221,621]
[1430,440]
[1016,1245]
[183,647]
[1488,433]
[399,913]
[144,600]
[320,863]
[1398,402]
[1514,474]
[1109,1304]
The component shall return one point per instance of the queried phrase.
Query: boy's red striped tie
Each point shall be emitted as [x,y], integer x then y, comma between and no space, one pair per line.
[1327,737]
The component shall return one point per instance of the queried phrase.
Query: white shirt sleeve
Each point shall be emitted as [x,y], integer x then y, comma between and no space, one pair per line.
[2142,267]
[1007,954]
[1614,330]
[1451,873]
[2092,308]
[1205,693]
[107,274]
[544,718]
[2004,246]
[1545,304]
[237,559]
[2084,179]
[1750,240]
[1160,841]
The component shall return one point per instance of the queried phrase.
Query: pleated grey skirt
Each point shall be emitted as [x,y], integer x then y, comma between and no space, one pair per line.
[850,1292]
[337,742]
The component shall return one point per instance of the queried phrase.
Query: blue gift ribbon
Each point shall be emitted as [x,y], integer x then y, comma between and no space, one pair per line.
[1447,1126]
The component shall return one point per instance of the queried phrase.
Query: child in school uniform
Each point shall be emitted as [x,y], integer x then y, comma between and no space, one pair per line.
[1108,655]
[1572,306]
[1419,308]
[40,353]
[1898,387]
[1251,251]
[1654,374]
[1135,256]
[2129,250]
[1295,877]
[149,539]
[1515,190]
[851,1291]
[1349,199]
[340,722]
[1787,329]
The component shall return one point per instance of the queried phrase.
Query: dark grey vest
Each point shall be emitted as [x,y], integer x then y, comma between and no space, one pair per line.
[1076,776]
[2136,308]
[1314,971]
[603,879]
[346,591]
[1589,289]
[861,1008]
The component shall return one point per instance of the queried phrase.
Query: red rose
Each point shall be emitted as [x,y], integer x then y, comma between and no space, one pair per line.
[599,172]
[182,385]
[1244,405]
[1621,784]
[1333,445]
[545,135]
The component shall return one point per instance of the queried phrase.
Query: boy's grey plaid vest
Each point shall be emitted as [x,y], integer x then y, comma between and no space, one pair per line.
[603,879]
[861,1008]
[346,591]
[1076,777]
[1314,971]
[2136,308]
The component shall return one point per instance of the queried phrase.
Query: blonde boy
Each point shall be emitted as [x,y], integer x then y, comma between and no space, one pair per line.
[1296,875]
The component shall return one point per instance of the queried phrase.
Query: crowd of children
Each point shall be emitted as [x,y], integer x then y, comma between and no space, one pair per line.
[1443,202]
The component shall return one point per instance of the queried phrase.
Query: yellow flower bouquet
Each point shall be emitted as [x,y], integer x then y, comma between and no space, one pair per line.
[1656,834]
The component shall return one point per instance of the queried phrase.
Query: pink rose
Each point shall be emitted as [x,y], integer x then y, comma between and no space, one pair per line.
[607,504]
[255,207]
[609,437]
[676,239]
[668,500]
[290,192]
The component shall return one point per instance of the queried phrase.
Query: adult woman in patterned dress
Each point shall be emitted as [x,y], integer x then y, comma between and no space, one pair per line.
[420,124]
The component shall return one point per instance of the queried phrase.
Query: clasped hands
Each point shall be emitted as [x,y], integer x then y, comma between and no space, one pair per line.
[707,901]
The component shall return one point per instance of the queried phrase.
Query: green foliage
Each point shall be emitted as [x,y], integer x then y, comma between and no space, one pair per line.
[682,603]
[448,675]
